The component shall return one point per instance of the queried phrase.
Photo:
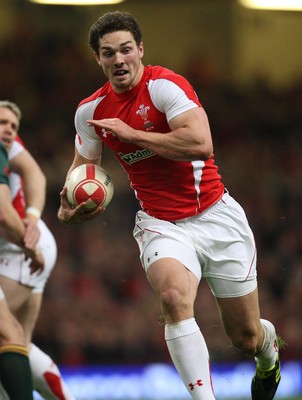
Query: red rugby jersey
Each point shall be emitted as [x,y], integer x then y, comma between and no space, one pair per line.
[166,189]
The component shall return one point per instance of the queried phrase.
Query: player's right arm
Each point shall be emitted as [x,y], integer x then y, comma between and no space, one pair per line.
[74,216]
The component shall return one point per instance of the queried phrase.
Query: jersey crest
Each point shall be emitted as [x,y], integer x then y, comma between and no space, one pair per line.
[143,113]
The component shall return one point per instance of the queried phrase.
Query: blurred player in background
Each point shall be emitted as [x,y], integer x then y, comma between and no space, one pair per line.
[15,373]
[189,226]
[24,290]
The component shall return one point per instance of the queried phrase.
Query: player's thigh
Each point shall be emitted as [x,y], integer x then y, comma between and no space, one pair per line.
[171,265]
[175,287]
[167,273]
[240,315]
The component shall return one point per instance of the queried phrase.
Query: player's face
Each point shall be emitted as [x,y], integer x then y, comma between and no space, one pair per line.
[120,58]
[9,125]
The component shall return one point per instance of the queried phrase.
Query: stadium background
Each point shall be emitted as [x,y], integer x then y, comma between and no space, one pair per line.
[246,68]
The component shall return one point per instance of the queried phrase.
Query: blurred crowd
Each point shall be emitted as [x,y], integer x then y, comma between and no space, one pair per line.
[98,307]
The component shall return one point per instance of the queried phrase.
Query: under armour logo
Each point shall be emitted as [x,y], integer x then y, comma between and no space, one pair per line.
[154,255]
[198,383]
[105,133]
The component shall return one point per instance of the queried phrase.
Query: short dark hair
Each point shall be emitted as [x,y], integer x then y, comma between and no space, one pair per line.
[111,22]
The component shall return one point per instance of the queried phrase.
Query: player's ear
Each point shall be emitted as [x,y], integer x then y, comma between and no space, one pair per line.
[97,57]
[141,50]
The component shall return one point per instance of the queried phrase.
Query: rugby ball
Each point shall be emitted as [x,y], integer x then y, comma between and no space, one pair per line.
[91,184]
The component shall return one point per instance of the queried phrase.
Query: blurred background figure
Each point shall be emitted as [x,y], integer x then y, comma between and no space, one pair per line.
[15,373]
[22,288]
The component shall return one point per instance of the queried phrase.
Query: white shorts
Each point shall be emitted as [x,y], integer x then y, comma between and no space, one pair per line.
[14,266]
[217,244]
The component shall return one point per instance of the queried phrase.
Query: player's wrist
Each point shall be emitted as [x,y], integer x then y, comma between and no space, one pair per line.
[33,212]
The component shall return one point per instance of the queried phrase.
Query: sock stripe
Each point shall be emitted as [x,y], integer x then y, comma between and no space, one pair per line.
[14,348]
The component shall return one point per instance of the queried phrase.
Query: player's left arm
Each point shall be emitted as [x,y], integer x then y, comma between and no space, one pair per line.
[34,187]
[34,180]
[189,139]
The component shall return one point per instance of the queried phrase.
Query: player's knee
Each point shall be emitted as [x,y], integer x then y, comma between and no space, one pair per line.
[174,301]
[246,341]
[11,332]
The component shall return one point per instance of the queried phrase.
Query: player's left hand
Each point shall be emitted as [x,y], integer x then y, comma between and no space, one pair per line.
[116,126]
[37,262]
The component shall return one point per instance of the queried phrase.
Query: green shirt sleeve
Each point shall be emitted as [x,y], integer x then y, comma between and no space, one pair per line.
[4,166]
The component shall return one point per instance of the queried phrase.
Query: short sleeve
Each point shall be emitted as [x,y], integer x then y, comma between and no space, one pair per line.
[172,98]
[87,142]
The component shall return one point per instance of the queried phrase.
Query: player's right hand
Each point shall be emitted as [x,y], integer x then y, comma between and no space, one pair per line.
[74,216]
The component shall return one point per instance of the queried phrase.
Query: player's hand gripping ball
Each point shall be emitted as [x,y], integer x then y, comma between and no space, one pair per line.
[89,183]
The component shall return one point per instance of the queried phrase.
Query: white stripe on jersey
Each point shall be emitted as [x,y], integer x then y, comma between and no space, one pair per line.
[197,172]
[15,149]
